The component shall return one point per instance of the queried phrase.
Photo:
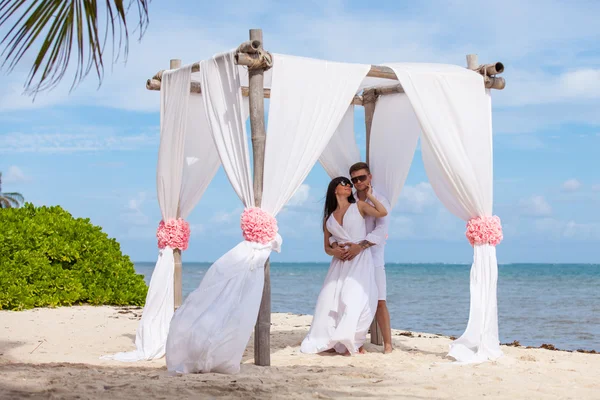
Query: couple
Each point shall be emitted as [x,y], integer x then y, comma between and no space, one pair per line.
[355,230]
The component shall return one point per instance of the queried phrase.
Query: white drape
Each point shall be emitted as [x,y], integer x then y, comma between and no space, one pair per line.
[308,99]
[394,134]
[342,150]
[454,112]
[186,165]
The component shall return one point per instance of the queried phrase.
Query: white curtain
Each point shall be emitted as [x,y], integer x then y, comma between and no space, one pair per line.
[394,134]
[308,100]
[342,150]
[454,111]
[186,164]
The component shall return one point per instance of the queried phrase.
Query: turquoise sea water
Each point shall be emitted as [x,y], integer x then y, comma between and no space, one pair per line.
[537,303]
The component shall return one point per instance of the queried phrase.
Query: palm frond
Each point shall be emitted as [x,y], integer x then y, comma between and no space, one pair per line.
[4,202]
[14,197]
[63,26]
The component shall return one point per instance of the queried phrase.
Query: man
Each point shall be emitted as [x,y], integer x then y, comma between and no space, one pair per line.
[377,229]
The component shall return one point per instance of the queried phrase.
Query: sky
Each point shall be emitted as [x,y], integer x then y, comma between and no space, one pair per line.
[93,150]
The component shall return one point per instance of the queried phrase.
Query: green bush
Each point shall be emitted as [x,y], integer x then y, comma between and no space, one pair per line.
[48,259]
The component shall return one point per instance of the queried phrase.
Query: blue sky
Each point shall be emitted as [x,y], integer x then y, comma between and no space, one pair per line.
[94,151]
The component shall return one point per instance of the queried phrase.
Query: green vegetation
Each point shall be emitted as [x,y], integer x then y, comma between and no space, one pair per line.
[48,259]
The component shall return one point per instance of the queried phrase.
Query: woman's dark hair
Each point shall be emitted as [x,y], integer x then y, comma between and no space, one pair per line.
[330,199]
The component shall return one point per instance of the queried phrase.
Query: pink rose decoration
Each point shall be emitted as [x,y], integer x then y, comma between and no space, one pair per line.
[258,226]
[484,230]
[175,233]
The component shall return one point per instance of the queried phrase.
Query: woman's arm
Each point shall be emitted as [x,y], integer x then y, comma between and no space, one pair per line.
[365,208]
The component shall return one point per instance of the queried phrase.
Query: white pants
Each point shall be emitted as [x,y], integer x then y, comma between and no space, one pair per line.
[381,282]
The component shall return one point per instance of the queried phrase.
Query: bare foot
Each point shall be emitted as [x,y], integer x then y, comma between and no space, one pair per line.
[387,349]
[329,351]
[361,350]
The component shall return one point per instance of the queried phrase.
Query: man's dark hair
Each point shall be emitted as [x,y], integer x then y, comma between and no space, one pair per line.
[358,166]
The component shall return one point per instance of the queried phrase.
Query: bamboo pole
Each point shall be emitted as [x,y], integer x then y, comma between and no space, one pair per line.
[490,82]
[369,102]
[262,329]
[177,289]
[369,99]
[154,84]
[472,62]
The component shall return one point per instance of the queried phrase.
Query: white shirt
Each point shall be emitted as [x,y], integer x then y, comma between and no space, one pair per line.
[377,231]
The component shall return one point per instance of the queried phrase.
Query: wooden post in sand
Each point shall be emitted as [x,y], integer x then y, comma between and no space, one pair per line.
[369,101]
[262,330]
[177,289]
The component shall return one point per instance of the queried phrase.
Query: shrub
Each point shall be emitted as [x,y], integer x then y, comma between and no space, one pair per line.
[49,258]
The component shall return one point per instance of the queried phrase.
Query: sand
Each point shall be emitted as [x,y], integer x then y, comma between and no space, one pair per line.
[55,353]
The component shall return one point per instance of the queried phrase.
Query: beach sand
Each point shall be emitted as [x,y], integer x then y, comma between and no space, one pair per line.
[55,353]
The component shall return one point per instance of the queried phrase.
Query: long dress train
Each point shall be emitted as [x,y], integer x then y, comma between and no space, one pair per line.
[348,300]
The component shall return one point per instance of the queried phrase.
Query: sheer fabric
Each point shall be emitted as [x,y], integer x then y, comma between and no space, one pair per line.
[454,111]
[341,151]
[187,162]
[210,331]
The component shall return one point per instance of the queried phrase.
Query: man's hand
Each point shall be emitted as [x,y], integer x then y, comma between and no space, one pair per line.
[339,252]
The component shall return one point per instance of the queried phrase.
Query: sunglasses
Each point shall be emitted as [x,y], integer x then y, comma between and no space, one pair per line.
[345,183]
[360,178]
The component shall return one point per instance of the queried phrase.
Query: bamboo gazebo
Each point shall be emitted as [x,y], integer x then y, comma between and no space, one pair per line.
[257,60]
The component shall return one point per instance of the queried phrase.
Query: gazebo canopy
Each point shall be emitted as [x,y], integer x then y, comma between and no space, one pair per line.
[203,126]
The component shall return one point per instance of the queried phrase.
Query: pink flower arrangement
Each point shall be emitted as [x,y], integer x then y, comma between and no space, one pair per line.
[258,225]
[484,230]
[175,233]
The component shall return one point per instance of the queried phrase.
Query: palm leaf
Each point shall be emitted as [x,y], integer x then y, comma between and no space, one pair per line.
[4,202]
[61,25]
[15,198]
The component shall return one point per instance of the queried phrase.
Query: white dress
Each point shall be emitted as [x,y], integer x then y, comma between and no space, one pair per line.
[348,300]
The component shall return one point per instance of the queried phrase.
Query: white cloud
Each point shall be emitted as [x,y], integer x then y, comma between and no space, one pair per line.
[401,227]
[596,188]
[415,199]
[572,185]
[535,206]
[114,164]
[552,228]
[301,196]
[585,231]
[17,142]
[196,229]
[525,142]
[133,213]
[14,174]
[227,217]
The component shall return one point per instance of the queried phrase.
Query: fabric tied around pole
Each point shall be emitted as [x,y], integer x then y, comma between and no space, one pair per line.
[205,331]
[174,233]
[484,230]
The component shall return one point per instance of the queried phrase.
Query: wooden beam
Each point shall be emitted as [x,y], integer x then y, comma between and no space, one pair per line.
[492,69]
[376,71]
[262,329]
[154,84]
[250,47]
[178,270]
[488,71]
[369,102]
[472,62]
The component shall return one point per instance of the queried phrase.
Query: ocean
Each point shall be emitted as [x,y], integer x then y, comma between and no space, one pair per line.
[556,304]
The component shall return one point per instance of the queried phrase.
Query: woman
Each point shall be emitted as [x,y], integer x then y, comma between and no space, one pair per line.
[348,300]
